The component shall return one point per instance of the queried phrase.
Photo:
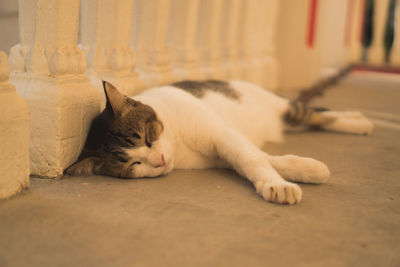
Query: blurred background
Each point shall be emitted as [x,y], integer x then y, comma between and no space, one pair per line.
[300,40]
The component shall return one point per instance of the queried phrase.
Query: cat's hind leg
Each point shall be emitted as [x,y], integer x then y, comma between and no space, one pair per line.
[338,121]
[347,122]
[300,169]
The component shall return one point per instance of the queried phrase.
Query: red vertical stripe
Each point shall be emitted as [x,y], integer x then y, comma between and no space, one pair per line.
[312,17]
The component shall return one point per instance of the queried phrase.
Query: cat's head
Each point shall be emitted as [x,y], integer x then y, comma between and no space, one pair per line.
[123,141]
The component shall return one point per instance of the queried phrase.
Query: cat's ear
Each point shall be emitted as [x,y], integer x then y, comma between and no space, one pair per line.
[85,167]
[115,100]
[153,130]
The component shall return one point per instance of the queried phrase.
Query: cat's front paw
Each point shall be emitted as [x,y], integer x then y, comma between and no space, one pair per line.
[300,169]
[281,193]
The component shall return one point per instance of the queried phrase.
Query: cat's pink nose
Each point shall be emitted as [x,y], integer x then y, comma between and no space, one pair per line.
[162,162]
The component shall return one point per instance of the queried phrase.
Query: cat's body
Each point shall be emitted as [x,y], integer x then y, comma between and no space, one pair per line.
[192,120]
[192,125]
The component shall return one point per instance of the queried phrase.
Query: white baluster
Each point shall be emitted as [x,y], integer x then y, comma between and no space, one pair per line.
[106,28]
[251,35]
[376,51]
[154,59]
[299,61]
[270,78]
[258,47]
[334,34]
[183,26]
[19,51]
[14,136]
[395,54]
[208,38]
[50,76]
[356,25]
[231,38]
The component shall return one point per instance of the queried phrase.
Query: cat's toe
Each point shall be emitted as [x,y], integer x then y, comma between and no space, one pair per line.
[282,193]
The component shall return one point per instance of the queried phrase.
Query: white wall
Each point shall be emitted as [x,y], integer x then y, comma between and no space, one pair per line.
[334,50]
[300,65]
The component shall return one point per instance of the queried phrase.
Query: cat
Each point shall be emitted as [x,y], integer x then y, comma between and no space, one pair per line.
[208,124]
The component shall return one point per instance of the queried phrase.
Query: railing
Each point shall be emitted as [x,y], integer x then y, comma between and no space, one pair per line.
[14,136]
[317,38]
[67,47]
[378,30]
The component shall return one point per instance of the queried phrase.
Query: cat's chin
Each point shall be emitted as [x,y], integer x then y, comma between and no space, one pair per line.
[160,171]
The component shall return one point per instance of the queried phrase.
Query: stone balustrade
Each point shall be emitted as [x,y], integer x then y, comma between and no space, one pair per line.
[48,70]
[395,53]
[106,27]
[377,38]
[67,47]
[14,136]
[182,39]
[231,39]
[376,52]
[317,38]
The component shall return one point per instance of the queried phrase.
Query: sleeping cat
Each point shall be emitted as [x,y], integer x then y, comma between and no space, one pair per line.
[193,124]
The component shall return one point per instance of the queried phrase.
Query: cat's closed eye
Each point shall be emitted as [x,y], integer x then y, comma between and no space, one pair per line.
[120,156]
[135,135]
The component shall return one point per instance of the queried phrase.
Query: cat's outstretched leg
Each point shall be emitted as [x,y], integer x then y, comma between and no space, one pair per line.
[250,162]
[339,121]
[300,169]
[347,122]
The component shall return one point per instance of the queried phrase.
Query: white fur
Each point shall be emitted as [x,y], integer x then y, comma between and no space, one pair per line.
[349,122]
[216,131]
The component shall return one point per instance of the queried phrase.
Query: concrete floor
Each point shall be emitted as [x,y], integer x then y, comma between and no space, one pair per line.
[215,218]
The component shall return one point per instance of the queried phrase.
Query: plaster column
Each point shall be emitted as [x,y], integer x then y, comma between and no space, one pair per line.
[14,136]
[357,16]
[334,34]
[299,51]
[154,58]
[209,38]
[395,54]
[48,71]
[270,12]
[106,29]
[182,37]
[254,32]
[376,52]
[231,38]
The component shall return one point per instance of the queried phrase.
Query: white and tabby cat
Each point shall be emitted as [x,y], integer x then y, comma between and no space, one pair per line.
[192,125]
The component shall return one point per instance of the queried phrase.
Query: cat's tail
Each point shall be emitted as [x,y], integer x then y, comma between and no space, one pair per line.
[299,114]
